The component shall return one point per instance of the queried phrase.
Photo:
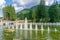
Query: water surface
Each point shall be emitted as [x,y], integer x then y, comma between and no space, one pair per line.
[29,35]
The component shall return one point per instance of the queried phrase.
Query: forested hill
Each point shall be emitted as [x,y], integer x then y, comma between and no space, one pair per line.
[27,12]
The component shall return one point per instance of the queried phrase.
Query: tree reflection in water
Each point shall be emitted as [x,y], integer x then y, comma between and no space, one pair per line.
[30,35]
[8,34]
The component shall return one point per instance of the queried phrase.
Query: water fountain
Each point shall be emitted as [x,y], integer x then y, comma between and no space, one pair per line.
[48,30]
[36,27]
[25,24]
[21,26]
[16,26]
[31,26]
[42,29]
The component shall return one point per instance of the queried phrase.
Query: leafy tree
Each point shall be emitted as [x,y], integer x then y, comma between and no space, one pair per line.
[9,13]
[54,12]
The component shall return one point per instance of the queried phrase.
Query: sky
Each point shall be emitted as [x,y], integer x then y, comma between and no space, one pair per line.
[21,4]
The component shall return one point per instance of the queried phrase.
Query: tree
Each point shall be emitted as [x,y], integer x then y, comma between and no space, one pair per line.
[33,13]
[24,13]
[54,12]
[9,13]
[42,12]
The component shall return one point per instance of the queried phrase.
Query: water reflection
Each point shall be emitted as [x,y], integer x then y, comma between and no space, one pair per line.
[55,35]
[30,35]
[8,34]
[1,31]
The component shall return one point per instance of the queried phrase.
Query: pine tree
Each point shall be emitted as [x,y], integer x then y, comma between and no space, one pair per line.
[42,11]
[54,12]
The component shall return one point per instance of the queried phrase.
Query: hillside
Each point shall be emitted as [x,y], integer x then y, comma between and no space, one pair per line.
[27,12]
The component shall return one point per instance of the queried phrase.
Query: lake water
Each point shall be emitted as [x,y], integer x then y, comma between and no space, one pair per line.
[29,35]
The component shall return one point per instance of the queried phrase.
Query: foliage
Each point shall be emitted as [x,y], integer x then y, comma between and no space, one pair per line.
[42,11]
[9,13]
[54,12]
[34,13]
[24,13]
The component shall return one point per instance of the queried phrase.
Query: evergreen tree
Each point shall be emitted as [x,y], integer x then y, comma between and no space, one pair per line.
[42,12]
[33,13]
[54,12]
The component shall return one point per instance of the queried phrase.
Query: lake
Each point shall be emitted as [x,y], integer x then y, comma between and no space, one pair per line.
[29,35]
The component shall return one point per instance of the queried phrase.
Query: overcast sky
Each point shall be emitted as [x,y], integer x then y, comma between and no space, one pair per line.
[21,4]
